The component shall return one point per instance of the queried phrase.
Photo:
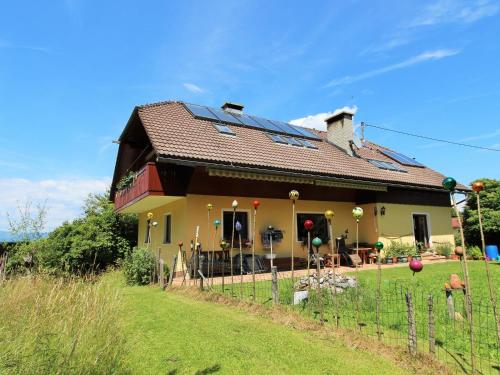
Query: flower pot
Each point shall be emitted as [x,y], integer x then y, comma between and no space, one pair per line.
[394,259]
[417,257]
[388,261]
[410,258]
[402,259]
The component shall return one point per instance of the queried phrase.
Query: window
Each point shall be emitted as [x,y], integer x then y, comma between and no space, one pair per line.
[147,233]
[306,143]
[293,141]
[386,165]
[224,129]
[167,230]
[227,225]
[320,228]
[277,138]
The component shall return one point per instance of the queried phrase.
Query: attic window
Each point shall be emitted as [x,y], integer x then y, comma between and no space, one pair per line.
[293,141]
[224,129]
[277,138]
[386,165]
[306,143]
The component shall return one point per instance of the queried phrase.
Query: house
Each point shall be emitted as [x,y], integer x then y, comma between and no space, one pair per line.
[175,158]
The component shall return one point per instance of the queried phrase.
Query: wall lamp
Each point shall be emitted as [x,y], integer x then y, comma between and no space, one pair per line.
[382,210]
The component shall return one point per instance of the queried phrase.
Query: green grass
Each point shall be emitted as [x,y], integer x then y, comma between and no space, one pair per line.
[172,333]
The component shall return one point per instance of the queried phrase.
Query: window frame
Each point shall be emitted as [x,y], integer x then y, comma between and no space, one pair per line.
[165,221]
[249,221]
[219,125]
[321,214]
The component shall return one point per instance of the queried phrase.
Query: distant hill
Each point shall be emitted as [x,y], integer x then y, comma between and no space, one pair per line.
[6,236]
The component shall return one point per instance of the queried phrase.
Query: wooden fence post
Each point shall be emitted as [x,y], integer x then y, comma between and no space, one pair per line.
[450,304]
[274,285]
[172,271]
[412,332]
[432,338]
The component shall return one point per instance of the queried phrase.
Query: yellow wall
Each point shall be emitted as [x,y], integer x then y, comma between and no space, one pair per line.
[397,223]
[190,212]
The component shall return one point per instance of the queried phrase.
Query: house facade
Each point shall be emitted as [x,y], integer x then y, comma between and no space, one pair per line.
[175,158]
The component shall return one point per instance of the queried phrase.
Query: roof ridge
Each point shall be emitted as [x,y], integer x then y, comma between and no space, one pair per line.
[156,104]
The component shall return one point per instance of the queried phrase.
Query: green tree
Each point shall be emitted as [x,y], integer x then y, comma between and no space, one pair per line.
[490,210]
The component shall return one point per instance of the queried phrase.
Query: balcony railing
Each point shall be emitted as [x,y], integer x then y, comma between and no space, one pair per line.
[147,182]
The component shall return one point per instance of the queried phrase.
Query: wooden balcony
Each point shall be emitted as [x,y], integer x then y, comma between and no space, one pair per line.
[146,183]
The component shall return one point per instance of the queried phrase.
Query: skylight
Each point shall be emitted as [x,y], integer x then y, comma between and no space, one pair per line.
[402,159]
[386,165]
[277,138]
[298,142]
[224,129]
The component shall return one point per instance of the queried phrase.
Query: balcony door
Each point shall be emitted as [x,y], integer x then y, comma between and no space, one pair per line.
[421,229]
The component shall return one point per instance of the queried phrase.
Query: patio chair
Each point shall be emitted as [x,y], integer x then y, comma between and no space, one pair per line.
[350,260]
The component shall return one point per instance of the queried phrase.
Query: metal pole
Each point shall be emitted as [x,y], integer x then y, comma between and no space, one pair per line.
[293,237]
[468,296]
[488,273]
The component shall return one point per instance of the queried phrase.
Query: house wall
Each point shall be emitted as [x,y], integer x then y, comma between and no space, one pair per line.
[397,223]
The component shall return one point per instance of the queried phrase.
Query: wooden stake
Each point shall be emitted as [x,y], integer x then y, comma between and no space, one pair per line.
[432,335]
[412,331]
[468,296]
[274,284]
[231,251]
[241,266]
[379,292]
[318,287]
[213,255]
[335,304]
[293,240]
[253,252]
[357,274]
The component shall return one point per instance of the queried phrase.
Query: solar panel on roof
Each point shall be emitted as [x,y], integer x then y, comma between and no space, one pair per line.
[268,125]
[293,141]
[305,132]
[277,138]
[402,159]
[385,165]
[225,116]
[306,143]
[286,128]
[247,120]
[201,111]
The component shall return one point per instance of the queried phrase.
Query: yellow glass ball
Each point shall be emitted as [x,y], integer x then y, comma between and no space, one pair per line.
[294,195]
[150,215]
[329,214]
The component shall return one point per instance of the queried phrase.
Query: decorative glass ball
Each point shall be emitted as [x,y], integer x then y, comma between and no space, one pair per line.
[416,265]
[357,213]
[255,204]
[180,243]
[329,214]
[379,245]
[223,244]
[308,224]
[294,195]
[217,223]
[237,226]
[150,215]
[478,186]
[449,183]
[210,206]
[317,242]
[234,204]
[459,250]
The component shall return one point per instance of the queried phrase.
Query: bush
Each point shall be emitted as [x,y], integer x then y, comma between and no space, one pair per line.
[474,252]
[138,267]
[444,249]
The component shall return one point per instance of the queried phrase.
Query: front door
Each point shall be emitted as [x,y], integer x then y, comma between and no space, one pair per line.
[421,230]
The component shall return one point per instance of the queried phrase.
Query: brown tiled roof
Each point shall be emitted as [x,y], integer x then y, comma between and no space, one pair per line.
[174,132]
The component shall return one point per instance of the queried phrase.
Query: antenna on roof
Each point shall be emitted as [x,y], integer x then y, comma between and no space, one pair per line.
[362,132]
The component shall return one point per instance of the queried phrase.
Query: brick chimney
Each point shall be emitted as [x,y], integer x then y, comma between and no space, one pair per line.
[340,131]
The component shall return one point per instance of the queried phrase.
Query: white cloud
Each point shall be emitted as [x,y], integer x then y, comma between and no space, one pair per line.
[448,11]
[193,88]
[317,121]
[64,198]
[423,57]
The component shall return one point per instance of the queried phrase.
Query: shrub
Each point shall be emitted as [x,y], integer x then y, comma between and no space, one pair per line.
[398,249]
[474,252]
[444,249]
[138,267]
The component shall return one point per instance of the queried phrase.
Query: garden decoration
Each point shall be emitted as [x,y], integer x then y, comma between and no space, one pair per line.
[223,246]
[449,183]
[308,225]
[478,187]
[316,242]
[416,266]
[255,205]
[270,229]
[357,213]
[216,225]
[149,218]
[183,262]
[235,206]
[209,254]
[379,246]
[329,214]
[294,196]
[197,250]
[238,228]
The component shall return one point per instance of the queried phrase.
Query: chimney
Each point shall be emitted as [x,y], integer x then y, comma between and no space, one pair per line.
[340,131]
[233,108]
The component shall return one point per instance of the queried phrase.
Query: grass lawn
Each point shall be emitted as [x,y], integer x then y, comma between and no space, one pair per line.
[168,333]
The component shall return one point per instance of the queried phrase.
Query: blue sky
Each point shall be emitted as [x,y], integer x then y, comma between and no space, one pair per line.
[71,72]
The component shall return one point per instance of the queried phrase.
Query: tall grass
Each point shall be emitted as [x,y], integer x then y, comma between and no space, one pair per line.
[59,326]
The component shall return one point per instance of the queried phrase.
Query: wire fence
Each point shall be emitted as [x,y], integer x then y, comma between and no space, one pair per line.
[435,323]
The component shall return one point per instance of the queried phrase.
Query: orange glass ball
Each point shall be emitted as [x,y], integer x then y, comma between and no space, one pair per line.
[478,186]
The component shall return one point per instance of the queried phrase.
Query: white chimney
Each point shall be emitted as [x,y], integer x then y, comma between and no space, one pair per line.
[340,131]
[233,108]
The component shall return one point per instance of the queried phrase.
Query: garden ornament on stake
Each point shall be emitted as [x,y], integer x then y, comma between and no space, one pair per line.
[329,214]
[379,246]
[270,229]
[317,243]
[238,228]
[235,206]
[450,184]
[478,186]
[223,246]
[149,218]
[183,262]
[216,225]
[197,251]
[308,225]
[255,205]
[416,266]
[357,213]
[294,196]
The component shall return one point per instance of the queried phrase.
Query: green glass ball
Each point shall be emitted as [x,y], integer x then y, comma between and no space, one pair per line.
[317,242]
[379,245]
[449,183]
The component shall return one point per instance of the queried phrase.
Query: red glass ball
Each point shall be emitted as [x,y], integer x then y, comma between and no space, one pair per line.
[478,186]
[416,265]
[308,224]
[180,243]
[256,204]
